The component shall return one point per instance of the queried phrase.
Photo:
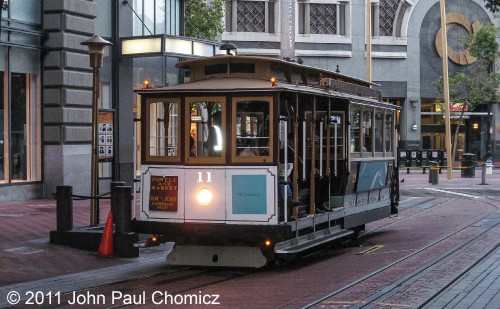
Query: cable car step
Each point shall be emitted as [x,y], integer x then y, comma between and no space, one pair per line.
[312,240]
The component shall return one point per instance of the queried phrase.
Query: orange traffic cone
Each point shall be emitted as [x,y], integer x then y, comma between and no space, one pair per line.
[106,245]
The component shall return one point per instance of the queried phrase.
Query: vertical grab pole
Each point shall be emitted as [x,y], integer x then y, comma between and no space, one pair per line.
[321,148]
[328,142]
[312,192]
[304,149]
[285,171]
[335,147]
[328,152]
[295,188]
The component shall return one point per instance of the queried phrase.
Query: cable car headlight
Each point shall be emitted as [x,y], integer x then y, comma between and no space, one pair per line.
[204,197]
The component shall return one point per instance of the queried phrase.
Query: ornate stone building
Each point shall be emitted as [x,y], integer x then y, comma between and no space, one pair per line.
[406,57]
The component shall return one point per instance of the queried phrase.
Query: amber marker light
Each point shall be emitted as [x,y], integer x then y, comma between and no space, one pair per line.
[273,81]
[268,242]
[205,197]
[146,84]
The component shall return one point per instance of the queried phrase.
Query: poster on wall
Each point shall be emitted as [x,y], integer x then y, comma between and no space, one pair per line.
[105,131]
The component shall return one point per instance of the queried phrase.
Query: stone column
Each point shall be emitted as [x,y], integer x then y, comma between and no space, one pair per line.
[67,95]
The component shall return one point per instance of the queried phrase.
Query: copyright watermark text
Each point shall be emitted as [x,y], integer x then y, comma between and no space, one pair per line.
[114,298]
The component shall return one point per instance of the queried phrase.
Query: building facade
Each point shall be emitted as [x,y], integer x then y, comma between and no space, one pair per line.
[406,56]
[47,80]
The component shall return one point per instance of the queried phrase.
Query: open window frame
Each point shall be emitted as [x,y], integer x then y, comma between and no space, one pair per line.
[260,158]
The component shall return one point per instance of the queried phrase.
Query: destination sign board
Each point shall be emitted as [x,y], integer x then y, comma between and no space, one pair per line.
[163,195]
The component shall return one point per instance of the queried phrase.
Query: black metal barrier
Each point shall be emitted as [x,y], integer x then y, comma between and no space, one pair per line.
[89,237]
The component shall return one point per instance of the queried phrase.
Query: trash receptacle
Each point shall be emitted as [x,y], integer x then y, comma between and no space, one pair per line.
[468,165]
[489,167]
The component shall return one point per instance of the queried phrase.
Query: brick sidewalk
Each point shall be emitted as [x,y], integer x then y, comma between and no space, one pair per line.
[25,251]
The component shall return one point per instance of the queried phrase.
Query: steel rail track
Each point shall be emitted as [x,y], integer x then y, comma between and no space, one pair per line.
[391,289]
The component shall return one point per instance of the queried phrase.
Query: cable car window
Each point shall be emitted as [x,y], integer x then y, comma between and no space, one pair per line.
[163,130]
[355,123]
[220,68]
[388,132]
[242,67]
[367,130]
[252,123]
[206,138]
[278,73]
[379,131]
[337,133]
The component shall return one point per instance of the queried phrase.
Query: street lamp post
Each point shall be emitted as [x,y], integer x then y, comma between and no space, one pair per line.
[96,46]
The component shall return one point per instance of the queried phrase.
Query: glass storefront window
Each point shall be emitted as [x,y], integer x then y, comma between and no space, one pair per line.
[18,10]
[20,134]
[18,127]
[157,17]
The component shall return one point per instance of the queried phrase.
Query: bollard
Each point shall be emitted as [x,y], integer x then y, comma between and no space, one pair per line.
[112,187]
[483,174]
[121,203]
[64,208]
[433,173]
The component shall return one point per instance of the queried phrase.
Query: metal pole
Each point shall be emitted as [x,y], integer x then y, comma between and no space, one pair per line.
[96,46]
[446,93]
[483,173]
[285,171]
[321,148]
[368,40]
[312,175]
[94,185]
[295,188]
